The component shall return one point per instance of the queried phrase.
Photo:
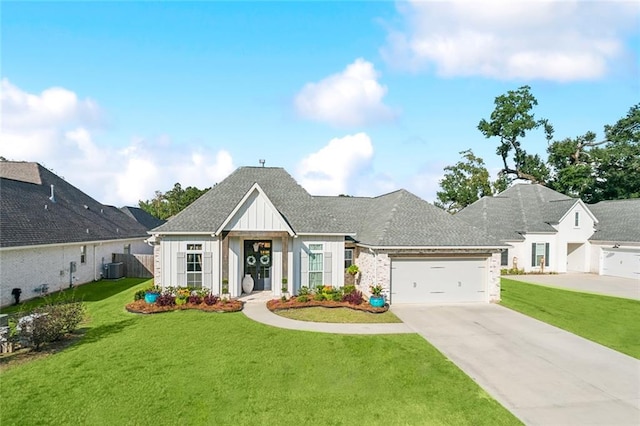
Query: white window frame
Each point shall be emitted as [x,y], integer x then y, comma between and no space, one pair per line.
[350,259]
[83,254]
[127,249]
[504,258]
[194,278]
[540,253]
[315,250]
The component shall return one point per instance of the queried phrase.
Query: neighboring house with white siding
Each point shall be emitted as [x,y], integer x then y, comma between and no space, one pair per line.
[551,232]
[53,234]
[615,246]
[260,223]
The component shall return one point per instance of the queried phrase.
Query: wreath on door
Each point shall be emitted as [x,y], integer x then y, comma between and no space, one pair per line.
[264,260]
[251,260]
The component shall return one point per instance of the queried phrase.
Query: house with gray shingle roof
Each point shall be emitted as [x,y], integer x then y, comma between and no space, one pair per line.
[549,231]
[260,230]
[53,234]
[615,246]
[142,217]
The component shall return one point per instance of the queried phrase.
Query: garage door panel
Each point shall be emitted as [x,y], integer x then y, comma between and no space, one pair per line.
[621,263]
[438,280]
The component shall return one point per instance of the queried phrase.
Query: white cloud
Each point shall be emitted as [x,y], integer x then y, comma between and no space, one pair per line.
[333,169]
[55,127]
[547,40]
[352,97]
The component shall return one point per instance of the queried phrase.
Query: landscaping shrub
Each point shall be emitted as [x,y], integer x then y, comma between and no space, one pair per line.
[70,315]
[210,299]
[348,289]
[353,298]
[512,271]
[304,291]
[336,297]
[303,298]
[49,323]
[319,297]
[195,299]
[139,295]
[166,299]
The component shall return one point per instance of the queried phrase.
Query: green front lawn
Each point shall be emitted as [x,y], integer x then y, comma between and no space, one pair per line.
[610,321]
[337,315]
[191,367]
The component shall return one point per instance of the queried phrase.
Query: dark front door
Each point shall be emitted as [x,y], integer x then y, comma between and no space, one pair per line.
[257,263]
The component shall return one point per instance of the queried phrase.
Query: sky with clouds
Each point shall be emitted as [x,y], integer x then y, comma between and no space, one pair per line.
[362,98]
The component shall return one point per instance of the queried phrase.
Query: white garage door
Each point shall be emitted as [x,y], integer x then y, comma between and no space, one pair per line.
[438,280]
[621,263]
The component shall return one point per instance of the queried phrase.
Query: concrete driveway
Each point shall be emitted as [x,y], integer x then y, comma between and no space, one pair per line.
[610,286]
[543,375]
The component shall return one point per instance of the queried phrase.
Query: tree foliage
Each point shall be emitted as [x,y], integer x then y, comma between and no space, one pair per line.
[168,204]
[466,182]
[510,121]
[599,170]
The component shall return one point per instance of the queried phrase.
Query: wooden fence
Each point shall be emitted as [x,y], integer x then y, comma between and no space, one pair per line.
[135,265]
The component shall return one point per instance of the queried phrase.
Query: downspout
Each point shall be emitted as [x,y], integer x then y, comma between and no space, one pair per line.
[95,272]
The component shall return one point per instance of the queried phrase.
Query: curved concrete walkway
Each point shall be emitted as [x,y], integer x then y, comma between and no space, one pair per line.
[257,310]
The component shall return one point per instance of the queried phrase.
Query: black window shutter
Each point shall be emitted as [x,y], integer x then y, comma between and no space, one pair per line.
[533,254]
[546,254]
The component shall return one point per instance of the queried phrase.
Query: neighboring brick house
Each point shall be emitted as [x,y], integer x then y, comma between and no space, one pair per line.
[259,222]
[549,231]
[52,233]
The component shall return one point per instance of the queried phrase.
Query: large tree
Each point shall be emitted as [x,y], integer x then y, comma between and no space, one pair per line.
[510,121]
[172,202]
[466,182]
[595,170]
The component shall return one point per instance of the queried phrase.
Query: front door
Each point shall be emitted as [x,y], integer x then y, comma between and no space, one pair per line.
[257,263]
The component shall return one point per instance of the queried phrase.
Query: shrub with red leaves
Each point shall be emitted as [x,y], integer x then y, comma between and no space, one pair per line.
[166,299]
[353,298]
[195,299]
[210,299]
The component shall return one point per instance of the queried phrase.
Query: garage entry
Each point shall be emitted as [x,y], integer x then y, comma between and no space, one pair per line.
[438,280]
[624,263]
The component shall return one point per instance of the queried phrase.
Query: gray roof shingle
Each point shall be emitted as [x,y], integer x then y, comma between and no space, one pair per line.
[142,217]
[29,217]
[396,219]
[302,211]
[522,208]
[618,220]
[401,219]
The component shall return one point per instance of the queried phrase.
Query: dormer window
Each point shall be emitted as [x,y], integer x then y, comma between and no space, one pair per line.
[576,221]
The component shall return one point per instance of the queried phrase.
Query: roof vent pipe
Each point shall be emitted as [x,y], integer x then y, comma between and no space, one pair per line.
[261,161]
[52,197]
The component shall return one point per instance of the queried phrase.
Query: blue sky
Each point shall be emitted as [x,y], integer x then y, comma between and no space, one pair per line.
[125,98]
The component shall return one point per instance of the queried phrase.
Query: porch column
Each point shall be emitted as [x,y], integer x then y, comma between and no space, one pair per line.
[285,258]
[225,256]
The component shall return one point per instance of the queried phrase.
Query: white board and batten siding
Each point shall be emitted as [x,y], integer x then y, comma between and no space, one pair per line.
[256,214]
[439,280]
[173,261]
[333,258]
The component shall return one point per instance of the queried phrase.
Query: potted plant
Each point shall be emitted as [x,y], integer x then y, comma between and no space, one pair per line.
[151,294]
[285,288]
[225,289]
[353,269]
[377,299]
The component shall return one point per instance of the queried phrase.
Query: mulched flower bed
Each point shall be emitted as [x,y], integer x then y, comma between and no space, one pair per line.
[142,307]
[277,304]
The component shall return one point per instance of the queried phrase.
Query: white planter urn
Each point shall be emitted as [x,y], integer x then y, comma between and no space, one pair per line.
[247,284]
